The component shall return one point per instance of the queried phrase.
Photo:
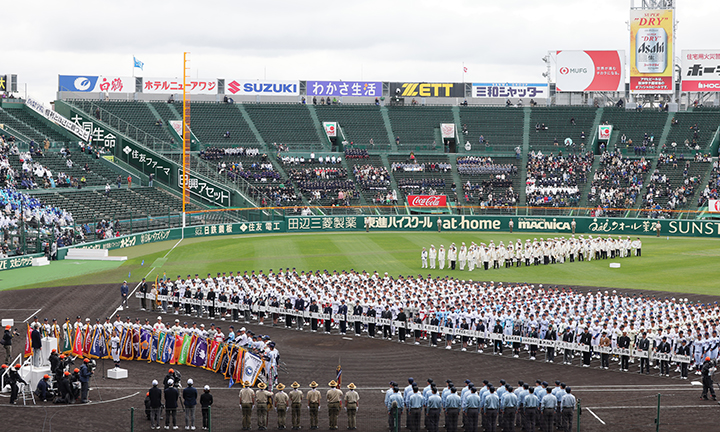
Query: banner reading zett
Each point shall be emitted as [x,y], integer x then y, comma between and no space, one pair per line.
[651,51]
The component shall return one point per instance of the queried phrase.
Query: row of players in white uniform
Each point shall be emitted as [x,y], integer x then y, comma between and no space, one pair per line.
[545,251]
[453,302]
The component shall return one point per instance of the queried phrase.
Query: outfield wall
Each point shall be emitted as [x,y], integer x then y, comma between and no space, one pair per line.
[294,224]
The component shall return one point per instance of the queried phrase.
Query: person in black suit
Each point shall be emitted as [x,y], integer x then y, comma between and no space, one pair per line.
[171,404]
[568,336]
[402,317]
[357,313]
[551,335]
[327,310]
[664,348]
[288,317]
[155,395]
[644,345]
[342,311]
[434,321]
[300,307]
[372,313]
[386,314]
[586,339]
[313,321]
[624,343]
[683,349]
[211,298]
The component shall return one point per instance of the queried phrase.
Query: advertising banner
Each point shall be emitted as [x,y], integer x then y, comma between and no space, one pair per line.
[427,200]
[510,90]
[146,161]
[344,88]
[700,70]
[714,206]
[424,89]
[586,71]
[604,132]
[651,50]
[447,130]
[96,83]
[3,83]
[204,190]
[175,85]
[92,129]
[330,129]
[59,120]
[264,88]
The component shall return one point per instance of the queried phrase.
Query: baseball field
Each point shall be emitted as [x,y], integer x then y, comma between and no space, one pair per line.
[612,400]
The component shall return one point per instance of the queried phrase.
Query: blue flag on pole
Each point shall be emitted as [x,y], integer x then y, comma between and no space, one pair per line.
[137,63]
[231,382]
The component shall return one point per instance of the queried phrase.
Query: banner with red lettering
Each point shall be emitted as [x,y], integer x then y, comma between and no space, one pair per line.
[427,200]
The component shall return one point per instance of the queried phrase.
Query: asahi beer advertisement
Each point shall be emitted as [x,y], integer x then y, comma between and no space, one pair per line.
[651,50]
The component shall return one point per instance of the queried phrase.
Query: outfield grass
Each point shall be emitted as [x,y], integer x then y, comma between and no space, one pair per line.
[674,264]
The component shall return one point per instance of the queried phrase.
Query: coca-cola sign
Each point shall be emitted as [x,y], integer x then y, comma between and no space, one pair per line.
[427,200]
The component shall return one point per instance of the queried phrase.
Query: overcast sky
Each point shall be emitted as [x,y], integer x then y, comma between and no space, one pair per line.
[395,40]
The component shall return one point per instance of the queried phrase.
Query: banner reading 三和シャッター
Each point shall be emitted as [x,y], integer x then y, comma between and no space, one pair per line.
[344,88]
[651,50]
[510,90]
[700,70]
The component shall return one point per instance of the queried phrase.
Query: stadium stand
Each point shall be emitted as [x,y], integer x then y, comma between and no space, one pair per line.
[692,130]
[556,181]
[138,114]
[219,125]
[488,181]
[416,126]
[423,175]
[712,187]
[672,185]
[492,129]
[617,183]
[362,125]
[289,124]
[636,126]
[549,127]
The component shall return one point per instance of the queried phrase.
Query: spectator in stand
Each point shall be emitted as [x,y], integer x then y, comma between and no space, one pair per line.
[552,181]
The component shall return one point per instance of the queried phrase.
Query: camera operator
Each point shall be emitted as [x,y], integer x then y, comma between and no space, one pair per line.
[174,376]
[708,369]
[86,371]
[7,342]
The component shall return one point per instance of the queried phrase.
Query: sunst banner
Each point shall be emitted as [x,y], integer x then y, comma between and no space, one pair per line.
[262,88]
[424,89]
[590,71]
[651,50]
[700,70]
[95,83]
[510,90]
[344,88]
[175,85]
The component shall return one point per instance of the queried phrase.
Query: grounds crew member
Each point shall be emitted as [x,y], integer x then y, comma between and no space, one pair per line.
[15,378]
[263,400]
[334,398]
[85,374]
[313,398]
[351,405]
[281,404]
[247,400]
[708,368]
[296,397]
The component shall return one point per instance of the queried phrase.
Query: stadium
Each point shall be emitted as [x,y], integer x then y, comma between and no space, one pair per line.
[373,231]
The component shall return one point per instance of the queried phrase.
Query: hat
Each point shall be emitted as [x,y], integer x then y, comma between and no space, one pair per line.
[66,372]
[171,382]
[159,318]
[76,370]
[86,360]
[206,388]
[154,382]
[313,384]
[190,381]
[706,359]
[280,386]
[7,327]
[295,385]
[246,383]
[351,386]
[262,386]
[3,366]
[46,376]
[332,383]
[171,370]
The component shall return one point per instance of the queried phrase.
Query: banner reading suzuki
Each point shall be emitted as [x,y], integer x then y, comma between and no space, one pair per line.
[701,70]
[262,88]
[586,71]
[427,89]
[95,83]
[651,50]
[427,200]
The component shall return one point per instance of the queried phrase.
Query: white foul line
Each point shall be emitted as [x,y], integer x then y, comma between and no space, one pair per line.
[32,315]
[76,405]
[595,415]
[148,274]
[654,407]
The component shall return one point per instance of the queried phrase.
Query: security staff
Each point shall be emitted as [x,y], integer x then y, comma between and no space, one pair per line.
[490,411]
[452,409]
[414,405]
[395,407]
[334,398]
[432,410]
[313,398]
[281,403]
[296,397]
[352,402]
[472,408]
[530,409]
[247,400]
[263,400]
[567,409]
[508,409]
[548,405]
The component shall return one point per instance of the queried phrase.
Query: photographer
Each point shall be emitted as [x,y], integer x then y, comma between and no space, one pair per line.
[708,369]
[86,371]
[7,342]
